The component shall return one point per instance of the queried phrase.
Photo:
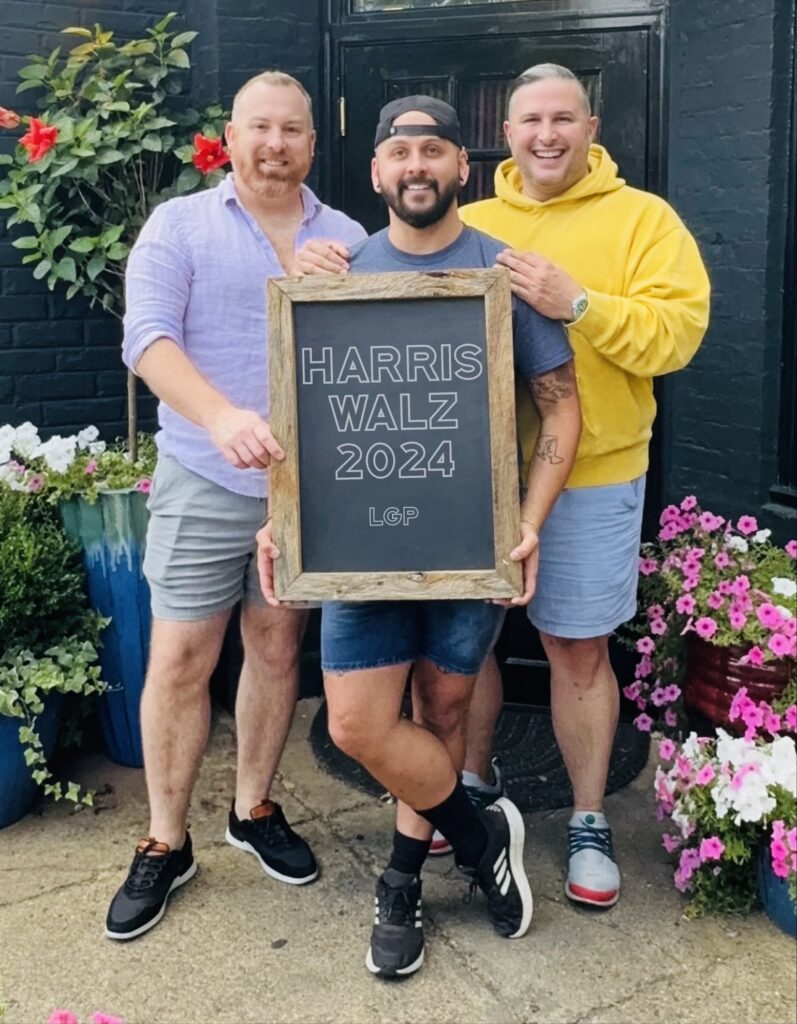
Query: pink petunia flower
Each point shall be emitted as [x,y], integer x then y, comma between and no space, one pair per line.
[724,587]
[740,586]
[144,485]
[671,693]
[643,722]
[706,627]
[791,548]
[746,769]
[769,616]
[705,775]
[91,467]
[685,604]
[647,566]
[722,560]
[641,703]
[668,532]
[655,611]
[645,645]
[670,718]
[670,843]
[691,582]
[747,525]
[689,503]
[711,849]
[644,667]
[779,645]
[709,522]
[62,1017]
[105,1018]
[658,627]
[755,656]
[737,619]
[657,697]
[631,692]
[715,600]
[669,515]
[35,483]
[772,722]
[667,750]
[790,717]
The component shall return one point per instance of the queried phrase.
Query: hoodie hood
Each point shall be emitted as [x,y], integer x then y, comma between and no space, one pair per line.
[602,177]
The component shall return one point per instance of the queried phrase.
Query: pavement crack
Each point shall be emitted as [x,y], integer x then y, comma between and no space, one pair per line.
[645,983]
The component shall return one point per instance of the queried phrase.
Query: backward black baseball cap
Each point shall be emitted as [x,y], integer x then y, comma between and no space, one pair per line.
[446,119]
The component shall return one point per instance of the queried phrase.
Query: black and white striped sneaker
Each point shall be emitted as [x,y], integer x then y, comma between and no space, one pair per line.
[396,948]
[500,874]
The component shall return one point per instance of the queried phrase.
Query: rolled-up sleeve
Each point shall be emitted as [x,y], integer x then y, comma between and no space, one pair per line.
[157,286]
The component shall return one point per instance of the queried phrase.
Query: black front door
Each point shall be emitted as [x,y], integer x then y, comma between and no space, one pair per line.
[469,57]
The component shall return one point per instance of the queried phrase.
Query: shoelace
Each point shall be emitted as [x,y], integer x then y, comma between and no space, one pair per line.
[588,837]
[272,830]
[145,873]
[394,906]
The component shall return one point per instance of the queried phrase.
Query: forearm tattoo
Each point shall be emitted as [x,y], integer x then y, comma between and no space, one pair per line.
[555,385]
[546,449]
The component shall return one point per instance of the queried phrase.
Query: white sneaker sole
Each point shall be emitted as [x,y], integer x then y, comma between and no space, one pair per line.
[403,971]
[179,880]
[243,845]
[517,838]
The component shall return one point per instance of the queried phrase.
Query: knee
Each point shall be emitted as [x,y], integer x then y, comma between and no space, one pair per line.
[579,663]
[444,718]
[180,668]
[354,734]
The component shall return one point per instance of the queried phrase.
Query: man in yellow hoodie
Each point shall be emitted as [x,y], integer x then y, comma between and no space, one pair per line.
[619,267]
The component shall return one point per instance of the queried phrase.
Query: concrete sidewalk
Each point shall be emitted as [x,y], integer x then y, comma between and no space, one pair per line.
[236,946]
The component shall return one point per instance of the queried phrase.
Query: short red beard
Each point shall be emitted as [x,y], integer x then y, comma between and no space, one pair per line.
[272,185]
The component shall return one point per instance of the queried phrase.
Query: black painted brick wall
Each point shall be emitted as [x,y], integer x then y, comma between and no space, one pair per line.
[59,361]
[727,178]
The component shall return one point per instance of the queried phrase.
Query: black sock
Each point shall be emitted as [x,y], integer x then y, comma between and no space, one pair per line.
[457,820]
[408,854]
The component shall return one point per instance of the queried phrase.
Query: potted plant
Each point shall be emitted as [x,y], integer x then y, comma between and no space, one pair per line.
[733,803]
[48,648]
[718,605]
[100,493]
[113,137]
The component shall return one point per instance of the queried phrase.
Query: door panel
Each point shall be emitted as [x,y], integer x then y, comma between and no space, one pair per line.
[477,78]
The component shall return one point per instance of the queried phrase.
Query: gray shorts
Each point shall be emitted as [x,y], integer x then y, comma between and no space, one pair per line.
[200,557]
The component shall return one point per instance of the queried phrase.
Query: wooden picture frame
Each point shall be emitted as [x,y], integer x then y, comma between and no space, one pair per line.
[302,311]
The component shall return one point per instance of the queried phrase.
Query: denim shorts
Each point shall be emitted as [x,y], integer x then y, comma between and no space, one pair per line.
[589,561]
[456,635]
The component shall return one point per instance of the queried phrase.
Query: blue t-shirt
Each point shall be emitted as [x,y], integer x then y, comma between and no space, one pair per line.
[540,344]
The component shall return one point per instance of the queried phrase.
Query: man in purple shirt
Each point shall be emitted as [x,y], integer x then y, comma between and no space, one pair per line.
[196,332]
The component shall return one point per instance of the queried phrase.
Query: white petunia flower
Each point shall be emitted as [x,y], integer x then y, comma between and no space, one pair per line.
[783,586]
[97,447]
[58,452]
[787,613]
[26,440]
[86,436]
[737,543]
[762,536]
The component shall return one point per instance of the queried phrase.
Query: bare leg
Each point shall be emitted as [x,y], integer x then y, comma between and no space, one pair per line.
[266,698]
[585,706]
[485,707]
[175,717]
[365,721]
[440,704]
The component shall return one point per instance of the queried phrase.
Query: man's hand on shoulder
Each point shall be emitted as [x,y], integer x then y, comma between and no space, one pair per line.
[546,287]
[244,438]
[320,256]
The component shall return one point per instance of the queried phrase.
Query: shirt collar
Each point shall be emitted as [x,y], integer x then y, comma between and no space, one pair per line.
[311,204]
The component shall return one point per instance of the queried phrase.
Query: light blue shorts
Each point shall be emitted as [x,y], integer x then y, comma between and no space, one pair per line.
[589,561]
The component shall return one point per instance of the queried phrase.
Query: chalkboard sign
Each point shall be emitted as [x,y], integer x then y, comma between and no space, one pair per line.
[393,397]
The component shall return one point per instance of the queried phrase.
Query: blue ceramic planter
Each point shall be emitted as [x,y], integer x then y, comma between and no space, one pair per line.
[17,788]
[112,534]
[774,893]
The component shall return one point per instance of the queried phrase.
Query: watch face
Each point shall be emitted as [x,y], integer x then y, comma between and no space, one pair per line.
[579,306]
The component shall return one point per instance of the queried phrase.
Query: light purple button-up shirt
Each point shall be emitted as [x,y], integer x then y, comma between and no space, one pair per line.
[197,275]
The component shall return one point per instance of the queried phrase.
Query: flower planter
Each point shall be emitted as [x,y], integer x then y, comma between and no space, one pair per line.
[17,788]
[112,535]
[714,675]
[778,905]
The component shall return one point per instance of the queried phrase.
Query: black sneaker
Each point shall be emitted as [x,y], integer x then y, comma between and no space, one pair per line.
[396,948]
[141,902]
[500,874]
[282,854]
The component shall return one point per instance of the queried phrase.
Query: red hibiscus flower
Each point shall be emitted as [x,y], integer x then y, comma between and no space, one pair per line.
[9,118]
[39,139]
[209,154]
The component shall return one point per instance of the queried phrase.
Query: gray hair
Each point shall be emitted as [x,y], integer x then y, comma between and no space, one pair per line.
[543,72]
[274,78]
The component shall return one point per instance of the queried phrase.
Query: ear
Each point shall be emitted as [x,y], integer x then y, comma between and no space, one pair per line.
[508,134]
[375,175]
[594,124]
[313,137]
[464,167]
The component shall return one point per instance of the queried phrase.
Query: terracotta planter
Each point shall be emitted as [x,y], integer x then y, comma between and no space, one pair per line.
[715,674]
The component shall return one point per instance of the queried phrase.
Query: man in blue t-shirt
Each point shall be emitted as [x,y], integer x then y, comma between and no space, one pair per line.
[367,648]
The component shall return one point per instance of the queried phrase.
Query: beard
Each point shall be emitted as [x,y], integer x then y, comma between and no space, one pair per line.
[273,183]
[421,218]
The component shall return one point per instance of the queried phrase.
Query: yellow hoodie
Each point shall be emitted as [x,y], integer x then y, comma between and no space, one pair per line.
[648,303]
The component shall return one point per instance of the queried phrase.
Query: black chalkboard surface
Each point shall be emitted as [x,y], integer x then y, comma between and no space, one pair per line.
[393,397]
